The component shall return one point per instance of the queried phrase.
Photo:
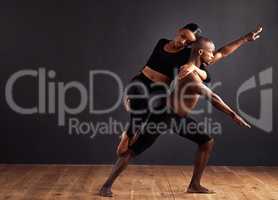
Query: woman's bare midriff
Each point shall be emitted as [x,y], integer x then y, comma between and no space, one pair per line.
[155,76]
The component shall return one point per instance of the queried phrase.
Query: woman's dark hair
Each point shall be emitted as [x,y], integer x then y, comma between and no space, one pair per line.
[194,28]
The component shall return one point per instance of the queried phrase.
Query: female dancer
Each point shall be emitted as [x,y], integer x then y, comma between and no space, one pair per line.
[163,64]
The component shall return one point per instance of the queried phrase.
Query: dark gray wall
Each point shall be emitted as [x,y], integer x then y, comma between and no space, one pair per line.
[73,37]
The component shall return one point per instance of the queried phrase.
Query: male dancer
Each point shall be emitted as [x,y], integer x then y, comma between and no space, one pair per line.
[184,98]
[146,140]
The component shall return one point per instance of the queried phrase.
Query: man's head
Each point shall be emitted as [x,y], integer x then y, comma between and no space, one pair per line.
[204,49]
[187,34]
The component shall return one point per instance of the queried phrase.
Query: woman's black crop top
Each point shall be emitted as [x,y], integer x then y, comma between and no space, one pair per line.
[169,63]
[165,62]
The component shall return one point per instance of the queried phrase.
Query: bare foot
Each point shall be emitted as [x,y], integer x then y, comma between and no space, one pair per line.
[105,192]
[199,189]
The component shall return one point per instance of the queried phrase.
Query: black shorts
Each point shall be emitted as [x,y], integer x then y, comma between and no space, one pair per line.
[189,128]
[142,108]
[185,127]
[140,123]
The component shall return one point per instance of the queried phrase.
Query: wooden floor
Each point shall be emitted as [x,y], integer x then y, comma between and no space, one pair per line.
[137,182]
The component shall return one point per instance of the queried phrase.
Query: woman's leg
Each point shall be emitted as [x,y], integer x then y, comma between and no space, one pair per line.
[117,169]
[135,124]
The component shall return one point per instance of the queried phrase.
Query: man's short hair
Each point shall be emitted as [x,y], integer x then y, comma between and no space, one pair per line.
[201,42]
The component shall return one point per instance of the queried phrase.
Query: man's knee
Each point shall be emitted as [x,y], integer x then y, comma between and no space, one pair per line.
[208,145]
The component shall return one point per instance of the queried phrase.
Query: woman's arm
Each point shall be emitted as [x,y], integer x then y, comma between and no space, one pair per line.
[126,102]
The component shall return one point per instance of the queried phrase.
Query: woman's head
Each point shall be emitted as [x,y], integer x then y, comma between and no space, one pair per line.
[187,34]
[195,28]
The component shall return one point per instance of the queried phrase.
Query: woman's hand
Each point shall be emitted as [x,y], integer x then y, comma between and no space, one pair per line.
[187,69]
[126,103]
[202,73]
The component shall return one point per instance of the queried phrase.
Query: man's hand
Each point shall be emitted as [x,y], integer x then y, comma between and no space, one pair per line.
[218,103]
[252,36]
[240,121]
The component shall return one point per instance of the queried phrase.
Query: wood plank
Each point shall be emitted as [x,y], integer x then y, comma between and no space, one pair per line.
[248,186]
[60,182]
[12,179]
[179,181]
[41,184]
[160,189]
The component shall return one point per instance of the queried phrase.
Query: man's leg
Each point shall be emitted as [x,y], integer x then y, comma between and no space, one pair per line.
[205,144]
[202,156]
[119,166]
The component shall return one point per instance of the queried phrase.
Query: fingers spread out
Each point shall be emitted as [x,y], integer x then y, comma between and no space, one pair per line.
[247,125]
[256,37]
[259,29]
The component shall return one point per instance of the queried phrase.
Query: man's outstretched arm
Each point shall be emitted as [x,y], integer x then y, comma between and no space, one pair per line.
[234,45]
[218,103]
